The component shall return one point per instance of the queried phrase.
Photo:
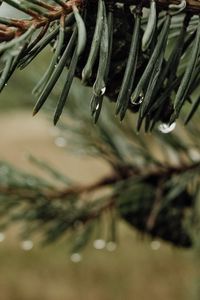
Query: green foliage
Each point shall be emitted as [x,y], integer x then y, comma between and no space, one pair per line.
[159,78]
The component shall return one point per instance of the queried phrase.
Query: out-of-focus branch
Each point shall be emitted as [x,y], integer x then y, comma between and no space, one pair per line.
[109,180]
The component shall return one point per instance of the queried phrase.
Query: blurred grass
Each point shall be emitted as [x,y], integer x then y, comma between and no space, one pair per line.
[134,271]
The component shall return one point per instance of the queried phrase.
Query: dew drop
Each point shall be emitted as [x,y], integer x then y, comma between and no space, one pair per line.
[111,246]
[99,244]
[2,237]
[103,90]
[27,245]
[60,142]
[194,154]
[155,245]
[166,128]
[139,99]
[76,257]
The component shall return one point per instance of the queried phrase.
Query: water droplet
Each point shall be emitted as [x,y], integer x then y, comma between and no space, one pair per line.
[6,84]
[111,246]
[2,237]
[76,257]
[99,244]
[97,107]
[138,100]
[103,90]
[155,245]
[60,142]
[27,245]
[166,128]
[194,154]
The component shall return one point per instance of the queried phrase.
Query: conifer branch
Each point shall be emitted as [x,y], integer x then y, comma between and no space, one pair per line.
[110,180]
[192,5]
[55,12]
[85,29]
[37,21]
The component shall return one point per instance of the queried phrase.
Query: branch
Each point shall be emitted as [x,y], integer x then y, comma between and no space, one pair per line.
[108,76]
[57,211]
[162,172]
[54,13]
[79,190]
[192,5]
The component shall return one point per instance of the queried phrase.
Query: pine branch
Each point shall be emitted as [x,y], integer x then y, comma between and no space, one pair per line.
[37,21]
[192,5]
[79,190]
[95,52]
[24,198]
[55,12]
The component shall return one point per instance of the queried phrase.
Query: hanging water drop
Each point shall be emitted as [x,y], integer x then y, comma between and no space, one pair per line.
[166,128]
[139,99]
[27,245]
[99,244]
[111,246]
[76,257]
[60,142]
[155,245]
[103,90]
[194,154]
[2,237]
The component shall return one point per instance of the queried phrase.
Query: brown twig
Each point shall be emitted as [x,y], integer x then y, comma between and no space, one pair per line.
[56,11]
[102,183]
[21,25]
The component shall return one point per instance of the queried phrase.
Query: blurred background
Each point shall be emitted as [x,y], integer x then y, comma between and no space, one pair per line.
[138,269]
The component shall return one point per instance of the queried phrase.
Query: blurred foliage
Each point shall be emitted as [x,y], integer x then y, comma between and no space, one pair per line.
[152,184]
